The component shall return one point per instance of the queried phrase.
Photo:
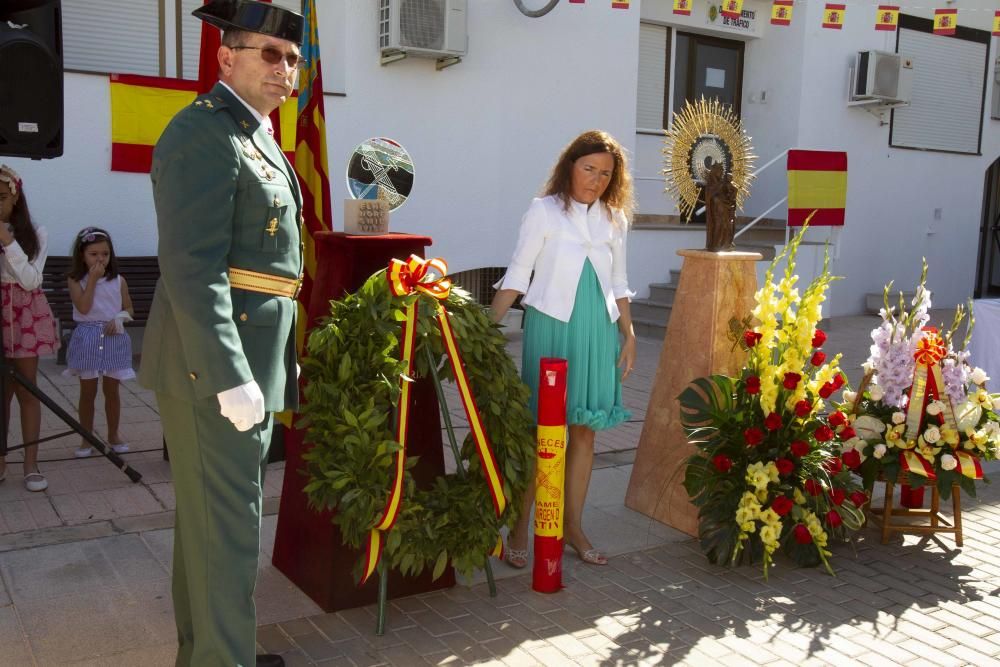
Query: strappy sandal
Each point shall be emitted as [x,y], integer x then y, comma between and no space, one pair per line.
[516,558]
[35,481]
[590,556]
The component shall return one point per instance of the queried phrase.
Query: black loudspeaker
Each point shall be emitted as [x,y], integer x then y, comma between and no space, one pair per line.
[31,78]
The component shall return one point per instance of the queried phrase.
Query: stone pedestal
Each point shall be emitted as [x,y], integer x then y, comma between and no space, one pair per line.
[715,288]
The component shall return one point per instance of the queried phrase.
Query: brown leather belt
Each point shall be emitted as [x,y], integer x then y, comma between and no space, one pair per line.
[265,283]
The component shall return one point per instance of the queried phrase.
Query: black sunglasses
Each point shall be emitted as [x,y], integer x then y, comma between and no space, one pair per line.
[273,56]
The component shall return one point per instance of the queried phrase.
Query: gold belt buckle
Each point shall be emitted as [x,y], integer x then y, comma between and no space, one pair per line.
[298,288]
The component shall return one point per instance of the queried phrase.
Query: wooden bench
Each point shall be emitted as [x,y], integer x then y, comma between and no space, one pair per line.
[141,273]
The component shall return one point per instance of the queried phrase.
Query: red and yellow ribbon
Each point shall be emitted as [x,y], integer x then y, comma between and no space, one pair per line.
[428,277]
[969,465]
[914,463]
[928,382]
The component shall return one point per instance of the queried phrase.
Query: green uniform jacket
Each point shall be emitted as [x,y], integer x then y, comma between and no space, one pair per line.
[225,197]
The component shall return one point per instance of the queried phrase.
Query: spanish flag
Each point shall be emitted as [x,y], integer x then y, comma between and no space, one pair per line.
[682,7]
[945,21]
[996,24]
[781,12]
[619,4]
[817,181]
[732,8]
[887,18]
[141,107]
[833,16]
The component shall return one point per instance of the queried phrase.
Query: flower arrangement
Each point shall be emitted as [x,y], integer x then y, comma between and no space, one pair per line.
[767,474]
[922,409]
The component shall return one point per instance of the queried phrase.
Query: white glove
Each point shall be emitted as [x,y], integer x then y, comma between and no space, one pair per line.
[118,323]
[243,405]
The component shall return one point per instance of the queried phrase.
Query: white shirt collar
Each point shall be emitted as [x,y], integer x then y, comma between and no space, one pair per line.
[263,120]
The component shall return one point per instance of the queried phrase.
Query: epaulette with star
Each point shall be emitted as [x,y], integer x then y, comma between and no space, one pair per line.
[210,102]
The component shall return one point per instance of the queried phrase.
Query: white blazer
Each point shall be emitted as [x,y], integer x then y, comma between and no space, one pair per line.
[554,243]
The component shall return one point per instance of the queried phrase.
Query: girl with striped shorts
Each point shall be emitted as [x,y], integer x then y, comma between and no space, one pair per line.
[99,346]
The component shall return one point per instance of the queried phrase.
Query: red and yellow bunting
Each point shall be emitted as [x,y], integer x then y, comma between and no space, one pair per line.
[833,16]
[682,7]
[732,9]
[781,12]
[416,275]
[887,18]
[945,21]
[996,24]
[913,462]
[969,465]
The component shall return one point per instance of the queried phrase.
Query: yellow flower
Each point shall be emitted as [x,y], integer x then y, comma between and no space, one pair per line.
[949,436]
[894,436]
[769,536]
[798,497]
[762,495]
[770,517]
[982,399]
[748,527]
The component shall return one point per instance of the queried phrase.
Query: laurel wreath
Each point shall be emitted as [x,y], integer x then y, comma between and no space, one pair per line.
[352,372]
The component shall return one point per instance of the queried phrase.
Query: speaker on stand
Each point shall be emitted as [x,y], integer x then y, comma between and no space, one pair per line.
[31,80]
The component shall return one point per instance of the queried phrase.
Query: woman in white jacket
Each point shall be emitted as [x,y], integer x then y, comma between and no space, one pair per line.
[573,238]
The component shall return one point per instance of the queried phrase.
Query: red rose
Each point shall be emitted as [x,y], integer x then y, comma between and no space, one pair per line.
[824,433]
[802,535]
[826,390]
[751,338]
[838,380]
[833,518]
[813,488]
[753,436]
[785,467]
[782,505]
[773,421]
[833,464]
[852,459]
[819,338]
[838,418]
[753,384]
[846,433]
[803,408]
[838,496]
[799,448]
[859,498]
[722,463]
[791,380]
[818,358]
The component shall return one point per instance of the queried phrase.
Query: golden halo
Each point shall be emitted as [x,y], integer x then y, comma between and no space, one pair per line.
[705,130]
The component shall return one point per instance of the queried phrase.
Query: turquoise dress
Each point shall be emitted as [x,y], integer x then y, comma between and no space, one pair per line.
[590,344]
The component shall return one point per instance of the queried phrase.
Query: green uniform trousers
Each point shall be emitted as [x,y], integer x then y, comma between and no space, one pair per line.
[218,475]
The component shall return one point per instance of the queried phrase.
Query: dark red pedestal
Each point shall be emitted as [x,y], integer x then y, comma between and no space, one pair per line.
[307,547]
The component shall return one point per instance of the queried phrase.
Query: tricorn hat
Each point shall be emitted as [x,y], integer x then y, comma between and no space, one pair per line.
[261,17]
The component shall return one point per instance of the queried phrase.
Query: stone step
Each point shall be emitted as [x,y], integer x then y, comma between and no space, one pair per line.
[651,311]
[649,328]
[663,292]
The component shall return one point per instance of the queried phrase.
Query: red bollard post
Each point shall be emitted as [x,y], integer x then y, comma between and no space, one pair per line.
[550,473]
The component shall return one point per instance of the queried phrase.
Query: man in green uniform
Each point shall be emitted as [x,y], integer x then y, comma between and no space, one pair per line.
[219,346]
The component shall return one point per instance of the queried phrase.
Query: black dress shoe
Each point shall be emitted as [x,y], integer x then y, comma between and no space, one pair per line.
[270,660]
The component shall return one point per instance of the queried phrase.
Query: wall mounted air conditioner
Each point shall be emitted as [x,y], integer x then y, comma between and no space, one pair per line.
[882,78]
[425,28]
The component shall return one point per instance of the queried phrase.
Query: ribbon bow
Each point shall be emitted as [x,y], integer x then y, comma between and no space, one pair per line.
[428,277]
[931,348]
[415,274]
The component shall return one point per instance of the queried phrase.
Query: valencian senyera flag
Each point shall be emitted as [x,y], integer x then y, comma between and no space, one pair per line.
[887,17]
[682,7]
[833,16]
[817,181]
[945,21]
[781,12]
[310,158]
[731,9]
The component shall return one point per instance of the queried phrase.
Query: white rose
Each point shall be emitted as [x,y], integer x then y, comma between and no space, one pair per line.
[979,376]
[898,417]
[879,451]
[876,392]
[948,462]
[850,397]
[932,435]
[934,408]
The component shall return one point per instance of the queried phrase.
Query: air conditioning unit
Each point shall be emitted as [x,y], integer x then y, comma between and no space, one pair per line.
[882,77]
[426,28]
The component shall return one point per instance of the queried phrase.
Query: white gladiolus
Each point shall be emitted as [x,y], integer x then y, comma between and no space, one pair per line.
[879,451]
[979,376]
[932,435]
[948,462]
[876,392]
[898,417]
